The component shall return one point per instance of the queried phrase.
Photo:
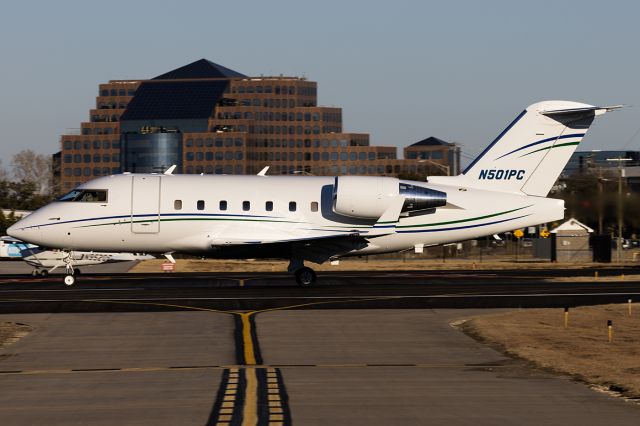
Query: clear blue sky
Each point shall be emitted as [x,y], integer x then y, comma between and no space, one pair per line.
[401,70]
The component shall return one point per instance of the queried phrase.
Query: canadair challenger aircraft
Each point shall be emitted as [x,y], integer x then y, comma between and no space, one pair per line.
[308,218]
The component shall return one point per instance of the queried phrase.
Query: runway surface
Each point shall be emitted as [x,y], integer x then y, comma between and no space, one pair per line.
[255,349]
[364,290]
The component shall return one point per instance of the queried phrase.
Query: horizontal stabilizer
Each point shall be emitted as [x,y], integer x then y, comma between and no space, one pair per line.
[566,111]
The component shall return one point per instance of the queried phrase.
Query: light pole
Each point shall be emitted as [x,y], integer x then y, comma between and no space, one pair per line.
[620,203]
[444,167]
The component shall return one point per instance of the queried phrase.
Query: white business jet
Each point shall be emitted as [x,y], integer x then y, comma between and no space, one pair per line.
[308,218]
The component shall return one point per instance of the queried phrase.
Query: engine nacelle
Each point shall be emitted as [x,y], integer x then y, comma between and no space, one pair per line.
[367,197]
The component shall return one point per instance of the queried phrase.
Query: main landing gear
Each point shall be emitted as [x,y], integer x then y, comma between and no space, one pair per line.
[305,276]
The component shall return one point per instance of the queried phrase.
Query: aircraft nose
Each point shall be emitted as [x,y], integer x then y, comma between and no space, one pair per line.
[15,231]
[22,231]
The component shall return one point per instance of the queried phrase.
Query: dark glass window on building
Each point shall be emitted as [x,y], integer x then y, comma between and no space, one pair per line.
[68,144]
[199,156]
[68,158]
[292,206]
[68,172]
[189,143]
[77,158]
[200,205]
[86,158]
[104,92]
[353,156]
[177,205]
[223,205]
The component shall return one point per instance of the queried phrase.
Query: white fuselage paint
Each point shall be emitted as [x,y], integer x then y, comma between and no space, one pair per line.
[140,215]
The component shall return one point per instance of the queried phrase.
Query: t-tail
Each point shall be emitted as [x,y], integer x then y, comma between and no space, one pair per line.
[529,155]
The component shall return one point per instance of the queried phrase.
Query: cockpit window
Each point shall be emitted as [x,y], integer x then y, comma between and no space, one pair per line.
[86,196]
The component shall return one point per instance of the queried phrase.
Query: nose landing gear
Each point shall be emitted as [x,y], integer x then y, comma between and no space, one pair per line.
[69,278]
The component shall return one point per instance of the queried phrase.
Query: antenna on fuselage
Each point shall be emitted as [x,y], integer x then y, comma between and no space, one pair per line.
[170,170]
[263,172]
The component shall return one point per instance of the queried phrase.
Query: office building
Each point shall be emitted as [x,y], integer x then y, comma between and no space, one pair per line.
[206,118]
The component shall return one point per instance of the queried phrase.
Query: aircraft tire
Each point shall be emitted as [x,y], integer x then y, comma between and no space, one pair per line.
[76,271]
[305,277]
[34,273]
[69,280]
[44,273]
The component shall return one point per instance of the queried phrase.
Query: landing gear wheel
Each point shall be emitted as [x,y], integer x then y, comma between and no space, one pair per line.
[305,277]
[69,280]
[44,273]
[35,273]
[76,271]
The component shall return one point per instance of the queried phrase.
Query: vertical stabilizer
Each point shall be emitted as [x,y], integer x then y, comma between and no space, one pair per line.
[529,155]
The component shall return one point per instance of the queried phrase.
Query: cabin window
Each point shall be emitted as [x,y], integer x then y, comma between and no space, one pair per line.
[292,206]
[223,205]
[200,204]
[314,206]
[246,206]
[86,196]
[177,205]
[268,206]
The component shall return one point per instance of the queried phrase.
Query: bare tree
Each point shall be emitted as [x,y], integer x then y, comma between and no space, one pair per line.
[29,166]
[3,173]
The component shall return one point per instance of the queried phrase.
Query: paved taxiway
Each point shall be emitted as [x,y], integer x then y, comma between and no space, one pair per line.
[196,365]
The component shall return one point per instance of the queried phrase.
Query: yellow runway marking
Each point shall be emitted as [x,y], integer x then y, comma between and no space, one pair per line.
[250,412]
[247,341]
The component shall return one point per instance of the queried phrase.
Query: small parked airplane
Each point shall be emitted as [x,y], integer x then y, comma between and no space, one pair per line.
[48,261]
[309,218]
[45,261]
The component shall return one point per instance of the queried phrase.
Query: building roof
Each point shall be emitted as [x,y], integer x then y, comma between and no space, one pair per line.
[432,141]
[174,100]
[573,225]
[202,68]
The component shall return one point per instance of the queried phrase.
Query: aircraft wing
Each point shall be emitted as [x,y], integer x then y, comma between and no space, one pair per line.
[317,249]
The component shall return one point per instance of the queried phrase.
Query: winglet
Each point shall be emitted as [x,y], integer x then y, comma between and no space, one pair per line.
[263,172]
[170,170]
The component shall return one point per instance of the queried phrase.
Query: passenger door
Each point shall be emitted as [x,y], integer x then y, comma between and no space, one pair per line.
[145,204]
